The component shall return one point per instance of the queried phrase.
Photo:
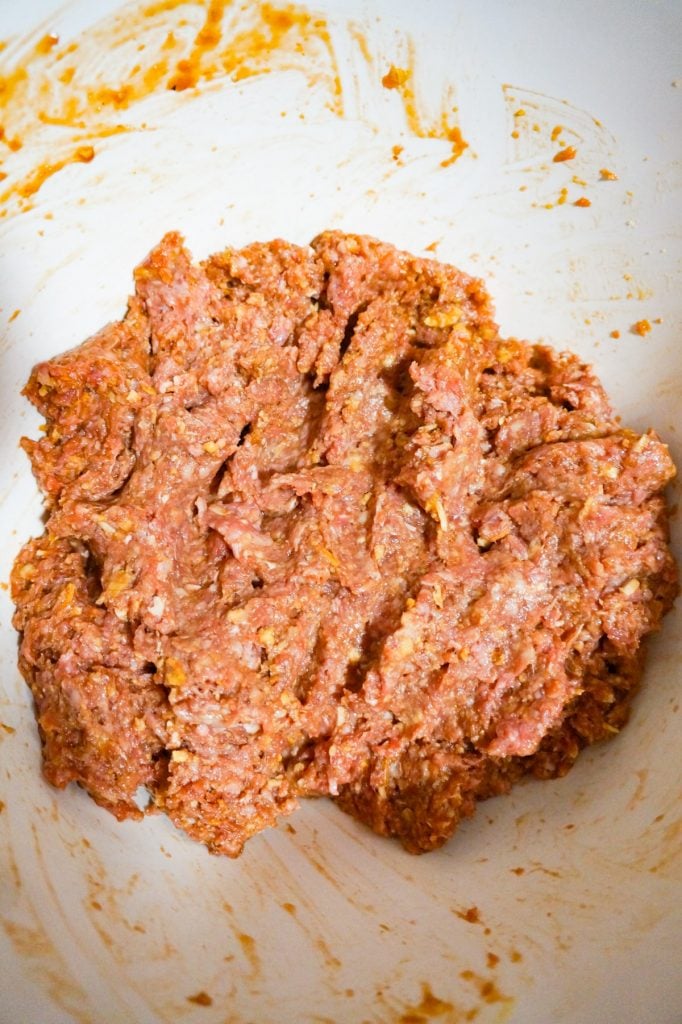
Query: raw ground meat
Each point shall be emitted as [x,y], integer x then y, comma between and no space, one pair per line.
[315,528]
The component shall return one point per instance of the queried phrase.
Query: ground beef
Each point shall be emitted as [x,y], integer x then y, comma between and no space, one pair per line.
[315,528]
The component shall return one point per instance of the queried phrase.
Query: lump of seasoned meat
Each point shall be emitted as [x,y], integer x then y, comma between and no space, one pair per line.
[315,528]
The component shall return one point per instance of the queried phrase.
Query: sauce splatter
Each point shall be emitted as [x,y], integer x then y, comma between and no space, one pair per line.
[606,175]
[58,96]
[248,944]
[444,127]
[395,77]
[429,1008]
[487,987]
[68,86]
[569,153]
[200,999]
[642,328]
[34,181]
[582,201]
[472,915]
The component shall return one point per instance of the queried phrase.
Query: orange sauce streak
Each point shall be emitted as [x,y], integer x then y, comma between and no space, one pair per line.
[583,201]
[189,70]
[238,44]
[35,181]
[248,944]
[157,49]
[459,144]
[430,1006]
[360,38]
[401,80]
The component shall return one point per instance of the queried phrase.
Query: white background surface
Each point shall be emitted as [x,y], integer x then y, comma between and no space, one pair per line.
[595,915]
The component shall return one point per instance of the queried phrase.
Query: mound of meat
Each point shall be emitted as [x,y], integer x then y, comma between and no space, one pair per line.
[315,528]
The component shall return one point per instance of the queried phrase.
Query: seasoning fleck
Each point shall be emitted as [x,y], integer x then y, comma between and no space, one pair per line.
[200,999]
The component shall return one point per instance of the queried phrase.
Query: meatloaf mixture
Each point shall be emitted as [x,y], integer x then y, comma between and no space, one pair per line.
[315,528]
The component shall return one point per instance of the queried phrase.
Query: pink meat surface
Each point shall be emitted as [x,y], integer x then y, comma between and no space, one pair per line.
[315,528]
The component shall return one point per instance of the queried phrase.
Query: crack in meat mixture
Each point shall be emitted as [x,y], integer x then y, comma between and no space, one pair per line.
[315,528]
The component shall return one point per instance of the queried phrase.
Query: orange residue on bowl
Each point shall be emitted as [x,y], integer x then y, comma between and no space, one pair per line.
[359,37]
[47,43]
[454,135]
[569,153]
[444,127]
[559,201]
[641,327]
[487,987]
[162,48]
[34,181]
[430,1007]
[248,944]
[200,999]
[68,85]
[395,77]
[472,915]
